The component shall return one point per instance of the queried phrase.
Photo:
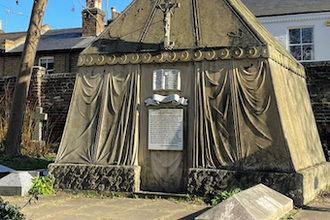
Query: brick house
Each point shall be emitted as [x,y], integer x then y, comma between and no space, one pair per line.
[58,50]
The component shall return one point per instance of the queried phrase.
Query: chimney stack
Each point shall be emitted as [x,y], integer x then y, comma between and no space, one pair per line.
[98,4]
[94,4]
[93,18]
[114,13]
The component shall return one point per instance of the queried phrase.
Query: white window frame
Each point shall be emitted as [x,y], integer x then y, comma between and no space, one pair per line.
[302,44]
[47,59]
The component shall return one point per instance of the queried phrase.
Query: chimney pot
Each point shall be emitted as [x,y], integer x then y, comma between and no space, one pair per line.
[114,12]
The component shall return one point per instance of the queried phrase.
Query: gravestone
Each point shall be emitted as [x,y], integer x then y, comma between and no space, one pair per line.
[202,102]
[39,117]
[16,183]
[257,203]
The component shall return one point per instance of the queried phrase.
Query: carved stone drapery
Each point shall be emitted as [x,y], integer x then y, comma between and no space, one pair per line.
[101,126]
[235,112]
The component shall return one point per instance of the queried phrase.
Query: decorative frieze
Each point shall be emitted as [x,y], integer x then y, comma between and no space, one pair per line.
[174,56]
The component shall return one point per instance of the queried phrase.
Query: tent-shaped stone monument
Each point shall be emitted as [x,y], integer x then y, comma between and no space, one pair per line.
[190,96]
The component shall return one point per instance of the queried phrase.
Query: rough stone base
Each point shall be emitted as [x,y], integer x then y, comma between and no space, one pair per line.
[302,186]
[79,177]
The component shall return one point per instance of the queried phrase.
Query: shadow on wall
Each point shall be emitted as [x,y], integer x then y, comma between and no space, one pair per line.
[324,132]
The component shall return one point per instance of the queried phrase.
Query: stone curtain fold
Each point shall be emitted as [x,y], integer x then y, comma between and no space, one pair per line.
[101,127]
[234,109]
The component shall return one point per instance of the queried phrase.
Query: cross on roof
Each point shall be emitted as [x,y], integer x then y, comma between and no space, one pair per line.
[166,8]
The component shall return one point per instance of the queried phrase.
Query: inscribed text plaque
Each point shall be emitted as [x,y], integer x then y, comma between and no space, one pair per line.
[165,129]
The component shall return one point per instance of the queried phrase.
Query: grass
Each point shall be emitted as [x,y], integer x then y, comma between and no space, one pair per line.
[223,195]
[25,162]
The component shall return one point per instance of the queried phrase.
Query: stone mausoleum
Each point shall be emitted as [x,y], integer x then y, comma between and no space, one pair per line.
[190,96]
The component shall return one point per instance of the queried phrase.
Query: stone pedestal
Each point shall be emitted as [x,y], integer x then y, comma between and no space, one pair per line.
[301,186]
[16,183]
[102,178]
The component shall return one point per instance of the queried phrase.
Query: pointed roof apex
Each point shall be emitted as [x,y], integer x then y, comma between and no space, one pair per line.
[225,29]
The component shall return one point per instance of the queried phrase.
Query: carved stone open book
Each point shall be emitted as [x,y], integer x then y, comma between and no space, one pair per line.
[167,79]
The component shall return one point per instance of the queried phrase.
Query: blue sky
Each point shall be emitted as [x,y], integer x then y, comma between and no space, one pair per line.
[59,13]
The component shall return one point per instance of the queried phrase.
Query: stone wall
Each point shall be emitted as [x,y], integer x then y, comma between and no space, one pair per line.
[79,177]
[56,92]
[2,66]
[318,82]
[11,65]
[300,186]
[7,84]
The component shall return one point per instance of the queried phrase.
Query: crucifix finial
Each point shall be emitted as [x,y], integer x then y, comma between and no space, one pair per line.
[166,8]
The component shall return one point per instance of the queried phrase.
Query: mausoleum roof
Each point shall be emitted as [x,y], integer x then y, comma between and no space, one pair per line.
[212,29]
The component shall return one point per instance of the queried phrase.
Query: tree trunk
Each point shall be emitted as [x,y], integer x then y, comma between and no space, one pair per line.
[18,106]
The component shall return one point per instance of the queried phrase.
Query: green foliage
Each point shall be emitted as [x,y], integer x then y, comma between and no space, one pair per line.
[25,162]
[28,146]
[9,212]
[292,214]
[224,195]
[41,186]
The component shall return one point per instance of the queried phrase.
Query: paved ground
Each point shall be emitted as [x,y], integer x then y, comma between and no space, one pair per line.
[319,209]
[66,207]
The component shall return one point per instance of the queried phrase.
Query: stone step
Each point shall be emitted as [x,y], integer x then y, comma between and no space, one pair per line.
[165,195]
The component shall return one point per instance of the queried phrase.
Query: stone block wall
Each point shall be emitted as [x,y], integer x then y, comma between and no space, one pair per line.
[2,66]
[7,84]
[301,186]
[11,65]
[80,177]
[318,82]
[56,92]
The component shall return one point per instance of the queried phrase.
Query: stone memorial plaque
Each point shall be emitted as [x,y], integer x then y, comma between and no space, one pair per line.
[167,79]
[165,129]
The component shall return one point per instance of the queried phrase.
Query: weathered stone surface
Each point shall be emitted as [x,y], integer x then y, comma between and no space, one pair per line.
[95,177]
[302,186]
[257,203]
[16,183]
